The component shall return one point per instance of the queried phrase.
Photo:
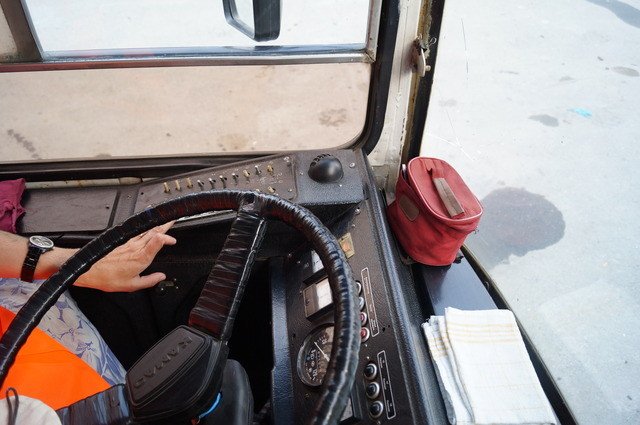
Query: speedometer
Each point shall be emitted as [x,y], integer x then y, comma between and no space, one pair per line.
[314,356]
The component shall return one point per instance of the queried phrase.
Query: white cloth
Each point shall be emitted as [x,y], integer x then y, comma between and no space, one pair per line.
[484,370]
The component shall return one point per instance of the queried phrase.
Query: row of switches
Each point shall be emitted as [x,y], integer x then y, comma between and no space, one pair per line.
[247,174]
[212,183]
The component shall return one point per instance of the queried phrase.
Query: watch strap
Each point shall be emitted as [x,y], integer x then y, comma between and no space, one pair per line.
[30,263]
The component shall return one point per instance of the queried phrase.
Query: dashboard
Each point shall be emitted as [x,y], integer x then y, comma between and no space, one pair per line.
[395,381]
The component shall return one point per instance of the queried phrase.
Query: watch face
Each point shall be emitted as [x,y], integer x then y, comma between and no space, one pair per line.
[41,242]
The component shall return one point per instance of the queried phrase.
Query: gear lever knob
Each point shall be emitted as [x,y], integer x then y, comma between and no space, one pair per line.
[326,168]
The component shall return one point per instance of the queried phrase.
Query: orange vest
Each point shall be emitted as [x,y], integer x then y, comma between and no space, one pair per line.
[44,369]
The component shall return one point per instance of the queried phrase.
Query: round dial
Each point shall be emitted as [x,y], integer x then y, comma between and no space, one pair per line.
[314,356]
[41,242]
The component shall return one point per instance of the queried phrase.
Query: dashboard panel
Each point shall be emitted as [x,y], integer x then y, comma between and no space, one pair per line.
[379,391]
[395,381]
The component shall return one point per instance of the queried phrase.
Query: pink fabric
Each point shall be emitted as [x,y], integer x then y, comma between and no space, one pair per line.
[10,208]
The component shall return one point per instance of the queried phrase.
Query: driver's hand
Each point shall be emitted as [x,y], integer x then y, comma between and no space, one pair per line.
[119,271]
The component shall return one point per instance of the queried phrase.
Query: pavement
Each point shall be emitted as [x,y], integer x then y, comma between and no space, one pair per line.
[535,103]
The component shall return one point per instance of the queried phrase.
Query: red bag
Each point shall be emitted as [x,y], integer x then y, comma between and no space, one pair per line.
[433,212]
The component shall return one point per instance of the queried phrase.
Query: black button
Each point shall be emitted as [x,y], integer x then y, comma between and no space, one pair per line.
[371,371]
[372,390]
[376,409]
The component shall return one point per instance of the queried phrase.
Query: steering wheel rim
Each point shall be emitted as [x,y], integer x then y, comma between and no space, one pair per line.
[341,370]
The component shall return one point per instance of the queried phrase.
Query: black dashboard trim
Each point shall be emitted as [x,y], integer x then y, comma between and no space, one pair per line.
[422,387]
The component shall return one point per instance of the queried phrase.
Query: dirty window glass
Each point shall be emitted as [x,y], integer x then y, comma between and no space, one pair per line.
[180,110]
[535,103]
[81,27]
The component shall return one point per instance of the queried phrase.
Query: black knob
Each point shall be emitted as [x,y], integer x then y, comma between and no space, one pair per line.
[326,168]
[376,409]
[372,390]
[371,371]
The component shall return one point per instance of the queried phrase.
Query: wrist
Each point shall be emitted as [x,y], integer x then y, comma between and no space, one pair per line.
[50,262]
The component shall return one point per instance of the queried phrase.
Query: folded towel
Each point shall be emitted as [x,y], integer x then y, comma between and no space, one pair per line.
[484,371]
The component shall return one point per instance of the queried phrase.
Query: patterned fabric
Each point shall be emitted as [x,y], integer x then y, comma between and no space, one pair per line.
[65,323]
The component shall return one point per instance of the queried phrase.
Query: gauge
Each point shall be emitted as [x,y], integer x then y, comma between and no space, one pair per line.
[314,356]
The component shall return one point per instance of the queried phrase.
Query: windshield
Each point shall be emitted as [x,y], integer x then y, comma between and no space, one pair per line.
[311,100]
[179,111]
[535,104]
[79,27]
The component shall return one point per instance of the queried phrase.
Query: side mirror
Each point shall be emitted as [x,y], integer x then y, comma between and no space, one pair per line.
[258,19]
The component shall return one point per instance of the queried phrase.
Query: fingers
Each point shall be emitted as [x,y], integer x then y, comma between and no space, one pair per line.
[166,239]
[149,280]
[155,244]
[143,239]
[165,227]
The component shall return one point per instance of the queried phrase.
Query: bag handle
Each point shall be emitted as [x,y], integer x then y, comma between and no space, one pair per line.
[448,198]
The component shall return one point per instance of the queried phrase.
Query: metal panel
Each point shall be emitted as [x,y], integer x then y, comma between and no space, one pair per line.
[193,60]
[68,210]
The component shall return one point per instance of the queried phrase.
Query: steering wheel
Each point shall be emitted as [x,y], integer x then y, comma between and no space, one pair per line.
[341,370]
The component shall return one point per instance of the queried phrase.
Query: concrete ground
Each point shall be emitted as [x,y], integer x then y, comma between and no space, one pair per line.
[535,103]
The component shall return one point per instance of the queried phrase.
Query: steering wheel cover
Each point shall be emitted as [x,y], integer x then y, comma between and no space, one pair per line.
[344,354]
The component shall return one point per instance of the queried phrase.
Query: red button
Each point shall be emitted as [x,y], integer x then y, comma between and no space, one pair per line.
[364,334]
[363,318]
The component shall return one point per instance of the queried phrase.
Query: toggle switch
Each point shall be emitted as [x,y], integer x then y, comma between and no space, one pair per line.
[212,182]
[223,180]
[189,184]
[246,174]
[200,183]
[167,189]
[258,172]
[270,169]
[177,183]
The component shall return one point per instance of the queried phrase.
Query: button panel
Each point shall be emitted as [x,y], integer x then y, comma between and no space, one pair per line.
[372,387]
[275,175]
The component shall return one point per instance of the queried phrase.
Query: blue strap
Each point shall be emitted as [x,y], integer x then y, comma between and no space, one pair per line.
[212,408]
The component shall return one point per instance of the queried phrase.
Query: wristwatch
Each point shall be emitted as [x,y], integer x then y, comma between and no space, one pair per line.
[38,245]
